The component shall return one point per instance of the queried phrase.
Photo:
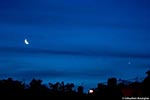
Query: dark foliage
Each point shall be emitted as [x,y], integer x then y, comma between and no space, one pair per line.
[15,89]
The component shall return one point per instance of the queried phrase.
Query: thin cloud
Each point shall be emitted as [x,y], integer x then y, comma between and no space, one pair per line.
[100,53]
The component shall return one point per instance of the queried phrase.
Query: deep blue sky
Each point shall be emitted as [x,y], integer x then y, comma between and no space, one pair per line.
[80,41]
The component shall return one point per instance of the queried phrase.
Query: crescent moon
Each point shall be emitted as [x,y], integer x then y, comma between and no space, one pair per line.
[26,41]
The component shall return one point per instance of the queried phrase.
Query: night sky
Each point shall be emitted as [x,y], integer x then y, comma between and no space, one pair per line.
[79,41]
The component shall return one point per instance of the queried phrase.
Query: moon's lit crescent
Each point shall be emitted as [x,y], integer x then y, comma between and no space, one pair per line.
[26,41]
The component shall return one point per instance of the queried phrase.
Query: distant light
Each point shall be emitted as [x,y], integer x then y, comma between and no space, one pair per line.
[91,91]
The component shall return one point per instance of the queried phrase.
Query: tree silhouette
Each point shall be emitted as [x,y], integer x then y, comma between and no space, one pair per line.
[36,88]
[112,90]
[10,87]
[146,85]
